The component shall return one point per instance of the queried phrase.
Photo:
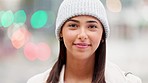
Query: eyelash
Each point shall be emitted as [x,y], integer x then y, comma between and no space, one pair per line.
[92,26]
[73,25]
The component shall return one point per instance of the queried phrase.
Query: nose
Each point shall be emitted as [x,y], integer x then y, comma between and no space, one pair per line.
[82,34]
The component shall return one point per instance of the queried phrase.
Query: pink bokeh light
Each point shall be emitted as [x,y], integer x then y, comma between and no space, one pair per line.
[39,51]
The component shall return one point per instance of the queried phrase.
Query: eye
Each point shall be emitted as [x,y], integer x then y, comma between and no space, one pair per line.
[92,26]
[73,25]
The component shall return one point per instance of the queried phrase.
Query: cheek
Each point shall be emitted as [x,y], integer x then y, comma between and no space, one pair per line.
[68,37]
[96,38]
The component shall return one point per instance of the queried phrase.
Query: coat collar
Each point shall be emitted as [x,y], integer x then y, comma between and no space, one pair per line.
[61,80]
[113,74]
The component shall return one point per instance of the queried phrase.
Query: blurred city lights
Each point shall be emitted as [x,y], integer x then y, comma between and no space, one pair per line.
[1,14]
[128,21]
[39,19]
[30,50]
[11,29]
[7,18]
[114,5]
[39,51]
[20,17]
[20,37]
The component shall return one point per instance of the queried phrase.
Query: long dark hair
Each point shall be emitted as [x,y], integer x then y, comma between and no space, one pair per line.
[99,66]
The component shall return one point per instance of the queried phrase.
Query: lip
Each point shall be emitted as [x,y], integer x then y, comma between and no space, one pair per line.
[82,45]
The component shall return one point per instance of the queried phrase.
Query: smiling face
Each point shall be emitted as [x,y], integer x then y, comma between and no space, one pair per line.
[81,36]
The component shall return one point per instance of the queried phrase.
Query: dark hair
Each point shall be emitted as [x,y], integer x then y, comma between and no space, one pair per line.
[99,66]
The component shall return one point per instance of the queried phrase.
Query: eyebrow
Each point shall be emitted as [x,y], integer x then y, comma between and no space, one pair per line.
[74,20]
[91,21]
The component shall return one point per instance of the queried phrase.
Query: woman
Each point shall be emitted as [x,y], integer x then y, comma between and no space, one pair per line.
[82,28]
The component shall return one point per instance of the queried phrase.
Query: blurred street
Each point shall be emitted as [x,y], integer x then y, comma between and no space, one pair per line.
[28,45]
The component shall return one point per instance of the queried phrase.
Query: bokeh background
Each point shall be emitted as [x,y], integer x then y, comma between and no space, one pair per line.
[28,45]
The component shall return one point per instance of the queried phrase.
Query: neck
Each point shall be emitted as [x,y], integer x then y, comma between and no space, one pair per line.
[79,70]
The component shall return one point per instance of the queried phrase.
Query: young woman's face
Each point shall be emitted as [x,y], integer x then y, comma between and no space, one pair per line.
[82,36]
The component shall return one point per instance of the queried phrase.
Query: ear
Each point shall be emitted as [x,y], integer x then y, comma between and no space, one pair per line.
[61,36]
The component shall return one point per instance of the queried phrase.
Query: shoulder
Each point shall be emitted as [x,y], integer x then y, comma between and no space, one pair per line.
[113,74]
[40,78]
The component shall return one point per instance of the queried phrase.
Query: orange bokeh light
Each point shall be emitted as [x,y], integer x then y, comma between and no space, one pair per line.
[20,37]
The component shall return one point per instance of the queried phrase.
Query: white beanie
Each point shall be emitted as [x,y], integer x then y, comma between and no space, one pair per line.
[71,8]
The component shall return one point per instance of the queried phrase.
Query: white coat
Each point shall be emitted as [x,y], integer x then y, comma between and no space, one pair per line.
[113,74]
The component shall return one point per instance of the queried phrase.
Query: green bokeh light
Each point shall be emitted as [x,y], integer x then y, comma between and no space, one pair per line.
[39,19]
[20,17]
[1,14]
[7,19]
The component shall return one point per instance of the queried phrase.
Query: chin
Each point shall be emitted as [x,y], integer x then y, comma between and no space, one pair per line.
[82,55]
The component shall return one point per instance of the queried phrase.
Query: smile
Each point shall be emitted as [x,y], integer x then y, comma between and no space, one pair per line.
[82,45]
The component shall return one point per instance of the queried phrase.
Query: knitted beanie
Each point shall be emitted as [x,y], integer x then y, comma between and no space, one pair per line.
[71,8]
